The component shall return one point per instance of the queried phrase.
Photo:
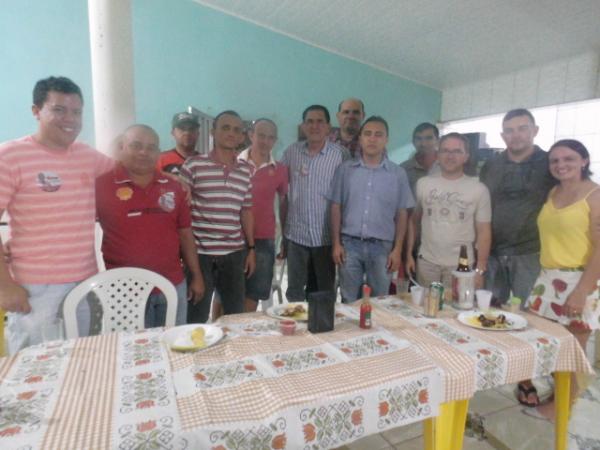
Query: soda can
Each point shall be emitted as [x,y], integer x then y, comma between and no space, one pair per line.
[436,290]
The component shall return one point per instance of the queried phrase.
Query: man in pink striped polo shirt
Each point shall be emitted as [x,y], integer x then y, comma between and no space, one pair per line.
[47,188]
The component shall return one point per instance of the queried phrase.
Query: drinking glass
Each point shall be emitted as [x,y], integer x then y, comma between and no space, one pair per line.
[484,298]
[416,293]
[53,330]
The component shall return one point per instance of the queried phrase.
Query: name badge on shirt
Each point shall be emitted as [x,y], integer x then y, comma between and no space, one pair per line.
[304,169]
[48,181]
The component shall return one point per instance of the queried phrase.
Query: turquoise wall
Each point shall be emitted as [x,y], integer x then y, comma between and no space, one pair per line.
[37,39]
[188,54]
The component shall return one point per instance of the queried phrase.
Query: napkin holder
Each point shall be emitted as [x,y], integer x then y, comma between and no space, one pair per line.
[321,311]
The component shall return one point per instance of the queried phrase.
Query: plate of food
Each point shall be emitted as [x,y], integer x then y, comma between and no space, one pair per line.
[297,311]
[493,320]
[188,338]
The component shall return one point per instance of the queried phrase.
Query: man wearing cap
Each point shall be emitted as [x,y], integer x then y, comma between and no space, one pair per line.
[185,130]
[146,222]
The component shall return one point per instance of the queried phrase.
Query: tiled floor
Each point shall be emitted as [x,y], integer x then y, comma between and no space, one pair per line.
[515,429]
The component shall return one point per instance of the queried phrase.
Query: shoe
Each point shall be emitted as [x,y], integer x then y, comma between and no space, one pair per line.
[523,394]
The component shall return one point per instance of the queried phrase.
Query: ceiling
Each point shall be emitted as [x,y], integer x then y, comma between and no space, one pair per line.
[439,43]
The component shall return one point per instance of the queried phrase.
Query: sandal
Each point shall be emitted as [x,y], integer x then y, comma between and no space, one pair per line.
[523,394]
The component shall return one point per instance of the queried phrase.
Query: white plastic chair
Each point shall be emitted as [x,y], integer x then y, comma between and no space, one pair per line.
[123,293]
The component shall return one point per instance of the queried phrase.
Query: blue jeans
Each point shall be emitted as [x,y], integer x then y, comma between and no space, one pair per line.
[258,286]
[514,274]
[156,308]
[364,257]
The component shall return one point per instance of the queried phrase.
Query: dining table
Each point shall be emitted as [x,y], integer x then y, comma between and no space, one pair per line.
[259,389]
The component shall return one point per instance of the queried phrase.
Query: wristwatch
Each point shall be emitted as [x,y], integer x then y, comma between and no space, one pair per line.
[251,247]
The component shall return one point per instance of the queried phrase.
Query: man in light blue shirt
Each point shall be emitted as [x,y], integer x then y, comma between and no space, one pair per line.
[369,200]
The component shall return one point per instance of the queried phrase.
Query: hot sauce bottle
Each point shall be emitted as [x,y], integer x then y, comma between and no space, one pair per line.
[365,307]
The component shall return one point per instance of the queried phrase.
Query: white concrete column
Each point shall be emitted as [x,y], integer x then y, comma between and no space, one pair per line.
[111,45]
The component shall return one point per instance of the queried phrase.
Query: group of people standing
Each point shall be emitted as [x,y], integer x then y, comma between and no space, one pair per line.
[531,221]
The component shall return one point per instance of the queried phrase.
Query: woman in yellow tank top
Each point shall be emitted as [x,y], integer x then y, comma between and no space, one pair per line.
[569,224]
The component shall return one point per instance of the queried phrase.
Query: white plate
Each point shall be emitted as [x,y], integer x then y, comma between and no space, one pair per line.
[275,311]
[514,321]
[180,338]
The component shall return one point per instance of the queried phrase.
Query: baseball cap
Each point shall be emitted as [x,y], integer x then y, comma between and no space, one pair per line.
[184,117]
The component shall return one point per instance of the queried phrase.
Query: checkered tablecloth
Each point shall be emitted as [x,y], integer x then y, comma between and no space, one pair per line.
[474,360]
[258,389]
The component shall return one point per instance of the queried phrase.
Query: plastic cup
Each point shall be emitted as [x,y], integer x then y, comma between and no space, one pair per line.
[484,298]
[287,327]
[416,294]
[53,330]
[402,286]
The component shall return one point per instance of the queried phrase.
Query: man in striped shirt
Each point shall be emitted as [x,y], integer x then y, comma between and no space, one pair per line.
[222,217]
[311,165]
[47,188]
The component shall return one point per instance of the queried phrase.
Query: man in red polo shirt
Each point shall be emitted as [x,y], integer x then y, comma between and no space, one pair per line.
[146,222]
[268,177]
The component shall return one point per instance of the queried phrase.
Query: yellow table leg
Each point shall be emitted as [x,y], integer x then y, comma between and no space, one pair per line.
[446,431]
[429,434]
[562,403]
[458,423]
[443,426]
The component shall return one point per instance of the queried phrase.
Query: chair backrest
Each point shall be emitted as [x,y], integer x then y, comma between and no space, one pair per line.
[123,294]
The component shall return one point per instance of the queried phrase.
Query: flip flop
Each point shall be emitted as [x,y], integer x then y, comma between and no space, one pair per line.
[524,392]
[533,412]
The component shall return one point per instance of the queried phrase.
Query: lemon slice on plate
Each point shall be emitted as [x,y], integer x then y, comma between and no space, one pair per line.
[198,337]
[187,338]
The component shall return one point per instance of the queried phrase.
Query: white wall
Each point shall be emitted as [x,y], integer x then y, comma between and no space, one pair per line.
[579,120]
[569,80]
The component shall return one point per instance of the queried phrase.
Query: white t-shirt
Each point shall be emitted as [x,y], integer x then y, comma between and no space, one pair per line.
[450,210]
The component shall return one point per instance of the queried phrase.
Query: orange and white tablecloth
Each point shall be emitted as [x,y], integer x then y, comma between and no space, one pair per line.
[258,389]
[474,360]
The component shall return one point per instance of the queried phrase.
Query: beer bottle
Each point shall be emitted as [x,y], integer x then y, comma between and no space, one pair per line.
[463,260]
